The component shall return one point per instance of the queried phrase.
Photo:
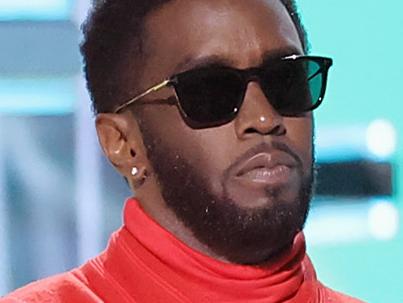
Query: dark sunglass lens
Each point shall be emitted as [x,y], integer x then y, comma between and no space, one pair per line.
[209,96]
[294,86]
[315,78]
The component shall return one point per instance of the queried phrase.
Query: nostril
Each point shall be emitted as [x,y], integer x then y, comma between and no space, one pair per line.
[278,130]
[250,130]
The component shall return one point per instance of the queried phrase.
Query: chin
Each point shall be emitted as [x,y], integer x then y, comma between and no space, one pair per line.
[265,197]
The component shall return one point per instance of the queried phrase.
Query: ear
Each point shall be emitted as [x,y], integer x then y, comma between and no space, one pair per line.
[121,141]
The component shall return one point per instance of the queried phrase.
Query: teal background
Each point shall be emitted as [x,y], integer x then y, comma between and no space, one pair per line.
[35,9]
[365,39]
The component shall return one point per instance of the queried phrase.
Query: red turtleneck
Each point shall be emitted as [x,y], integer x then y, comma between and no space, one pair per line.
[145,263]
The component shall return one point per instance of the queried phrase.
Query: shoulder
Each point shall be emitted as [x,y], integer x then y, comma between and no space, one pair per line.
[66,287]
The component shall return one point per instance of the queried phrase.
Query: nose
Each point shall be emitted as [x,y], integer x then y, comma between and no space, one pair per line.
[258,116]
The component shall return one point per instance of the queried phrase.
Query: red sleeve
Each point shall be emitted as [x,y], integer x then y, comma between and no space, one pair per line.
[62,288]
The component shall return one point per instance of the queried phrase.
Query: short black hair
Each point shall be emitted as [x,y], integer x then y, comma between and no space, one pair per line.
[113,33]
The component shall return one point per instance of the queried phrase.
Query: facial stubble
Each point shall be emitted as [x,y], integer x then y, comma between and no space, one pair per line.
[239,235]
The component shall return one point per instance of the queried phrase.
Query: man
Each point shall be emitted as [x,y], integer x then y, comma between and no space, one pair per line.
[205,107]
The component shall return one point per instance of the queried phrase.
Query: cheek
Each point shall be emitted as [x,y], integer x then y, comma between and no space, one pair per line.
[217,151]
[207,150]
[211,151]
[300,133]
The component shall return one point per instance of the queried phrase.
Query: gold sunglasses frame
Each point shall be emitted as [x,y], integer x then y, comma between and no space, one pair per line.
[155,88]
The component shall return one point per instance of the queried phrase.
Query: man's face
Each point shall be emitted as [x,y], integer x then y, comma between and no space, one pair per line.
[242,188]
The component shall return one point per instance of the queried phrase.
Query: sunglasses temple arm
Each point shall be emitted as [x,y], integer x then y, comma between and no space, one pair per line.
[148,91]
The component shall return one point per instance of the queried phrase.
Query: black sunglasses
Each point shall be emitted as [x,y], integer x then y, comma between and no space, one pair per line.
[212,96]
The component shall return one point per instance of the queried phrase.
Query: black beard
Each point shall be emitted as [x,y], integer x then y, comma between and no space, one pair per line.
[240,235]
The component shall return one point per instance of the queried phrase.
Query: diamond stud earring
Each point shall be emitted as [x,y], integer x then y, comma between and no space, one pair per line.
[135,171]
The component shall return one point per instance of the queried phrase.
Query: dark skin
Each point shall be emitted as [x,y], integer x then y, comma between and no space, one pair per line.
[188,33]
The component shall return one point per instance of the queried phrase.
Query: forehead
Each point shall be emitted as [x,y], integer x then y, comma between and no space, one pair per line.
[237,31]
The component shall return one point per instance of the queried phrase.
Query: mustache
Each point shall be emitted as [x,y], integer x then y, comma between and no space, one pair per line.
[266,147]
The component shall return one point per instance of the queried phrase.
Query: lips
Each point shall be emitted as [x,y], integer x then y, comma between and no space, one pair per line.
[267,168]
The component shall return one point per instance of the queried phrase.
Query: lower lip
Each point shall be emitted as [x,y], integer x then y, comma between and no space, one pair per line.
[278,175]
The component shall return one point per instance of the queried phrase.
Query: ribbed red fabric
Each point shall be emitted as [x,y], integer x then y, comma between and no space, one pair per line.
[145,263]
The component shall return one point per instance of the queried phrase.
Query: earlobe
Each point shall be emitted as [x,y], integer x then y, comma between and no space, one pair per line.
[139,176]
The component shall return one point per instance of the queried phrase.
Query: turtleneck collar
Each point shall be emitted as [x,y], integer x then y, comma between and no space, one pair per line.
[174,269]
[146,264]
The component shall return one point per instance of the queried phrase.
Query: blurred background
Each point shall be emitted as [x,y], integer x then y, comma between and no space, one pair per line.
[60,199]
